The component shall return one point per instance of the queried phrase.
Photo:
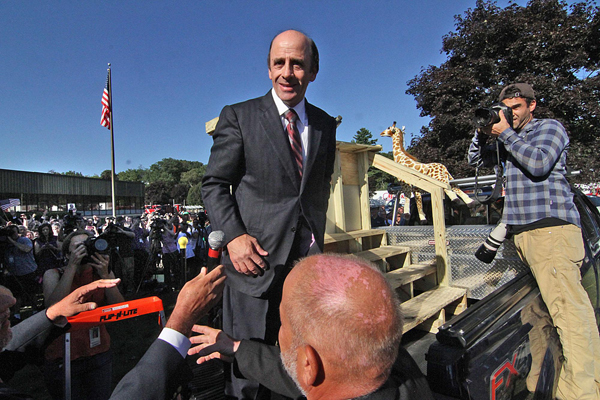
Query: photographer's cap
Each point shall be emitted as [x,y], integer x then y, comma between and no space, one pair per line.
[517,90]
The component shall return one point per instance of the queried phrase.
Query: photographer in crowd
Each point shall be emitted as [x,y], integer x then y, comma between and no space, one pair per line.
[539,211]
[91,359]
[162,232]
[20,262]
[123,263]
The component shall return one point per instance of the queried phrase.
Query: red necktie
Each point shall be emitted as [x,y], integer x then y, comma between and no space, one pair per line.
[294,135]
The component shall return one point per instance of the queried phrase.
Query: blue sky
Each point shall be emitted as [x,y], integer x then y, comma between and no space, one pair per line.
[176,64]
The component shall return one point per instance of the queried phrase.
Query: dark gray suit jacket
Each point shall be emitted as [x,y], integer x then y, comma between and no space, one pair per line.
[262,363]
[153,375]
[251,154]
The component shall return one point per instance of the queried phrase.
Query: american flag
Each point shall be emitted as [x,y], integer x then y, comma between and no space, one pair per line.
[6,204]
[106,106]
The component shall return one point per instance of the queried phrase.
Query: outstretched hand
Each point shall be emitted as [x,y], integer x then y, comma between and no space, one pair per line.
[212,343]
[77,301]
[196,298]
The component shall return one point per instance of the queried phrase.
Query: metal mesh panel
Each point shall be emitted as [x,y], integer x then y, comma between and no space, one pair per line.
[479,278]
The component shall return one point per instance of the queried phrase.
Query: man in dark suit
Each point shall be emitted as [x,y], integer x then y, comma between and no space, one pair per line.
[267,188]
[339,338]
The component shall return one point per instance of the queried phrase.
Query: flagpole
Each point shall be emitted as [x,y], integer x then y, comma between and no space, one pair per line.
[112,145]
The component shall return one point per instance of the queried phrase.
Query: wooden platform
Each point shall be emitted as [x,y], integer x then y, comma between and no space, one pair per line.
[429,308]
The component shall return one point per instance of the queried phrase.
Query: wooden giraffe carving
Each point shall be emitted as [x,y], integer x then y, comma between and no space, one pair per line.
[435,170]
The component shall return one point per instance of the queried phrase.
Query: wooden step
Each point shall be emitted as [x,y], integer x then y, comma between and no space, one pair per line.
[340,237]
[403,276]
[387,257]
[431,304]
[354,241]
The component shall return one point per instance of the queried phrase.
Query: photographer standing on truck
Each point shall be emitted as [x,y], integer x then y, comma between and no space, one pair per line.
[540,213]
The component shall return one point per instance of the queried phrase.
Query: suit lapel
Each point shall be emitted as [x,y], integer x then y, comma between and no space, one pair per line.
[271,124]
[314,141]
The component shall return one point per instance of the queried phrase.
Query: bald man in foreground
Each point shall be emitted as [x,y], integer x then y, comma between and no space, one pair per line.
[339,337]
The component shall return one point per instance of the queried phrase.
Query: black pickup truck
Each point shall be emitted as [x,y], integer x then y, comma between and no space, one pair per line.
[490,350]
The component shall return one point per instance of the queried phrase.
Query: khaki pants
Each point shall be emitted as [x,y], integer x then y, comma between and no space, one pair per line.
[555,255]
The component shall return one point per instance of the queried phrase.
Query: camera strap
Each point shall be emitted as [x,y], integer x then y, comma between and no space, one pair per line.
[497,192]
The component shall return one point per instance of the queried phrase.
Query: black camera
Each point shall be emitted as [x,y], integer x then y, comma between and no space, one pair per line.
[95,245]
[488,250]
[490,116]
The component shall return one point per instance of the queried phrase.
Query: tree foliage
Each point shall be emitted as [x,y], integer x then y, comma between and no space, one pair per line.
[364,136]
[138,174]
[158,192]
[552,46]
[170,169]
[194,196]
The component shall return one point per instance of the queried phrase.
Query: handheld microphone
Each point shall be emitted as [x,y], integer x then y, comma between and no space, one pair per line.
[216,241]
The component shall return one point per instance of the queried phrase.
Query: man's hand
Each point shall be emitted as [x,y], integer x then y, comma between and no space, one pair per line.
[496,129]
[247,255]
[195,299]
[76,301]
[212,343]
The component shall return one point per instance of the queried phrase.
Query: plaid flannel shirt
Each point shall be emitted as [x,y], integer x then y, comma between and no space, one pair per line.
[535,169]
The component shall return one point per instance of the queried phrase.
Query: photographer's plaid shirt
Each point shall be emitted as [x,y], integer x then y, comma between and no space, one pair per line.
[535,169]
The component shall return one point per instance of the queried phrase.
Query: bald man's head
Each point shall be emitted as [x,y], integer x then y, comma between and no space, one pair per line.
[344,308]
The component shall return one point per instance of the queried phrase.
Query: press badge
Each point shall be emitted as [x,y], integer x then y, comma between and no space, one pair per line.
[94,336]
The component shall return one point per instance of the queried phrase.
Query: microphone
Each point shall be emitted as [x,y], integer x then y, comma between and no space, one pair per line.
[216,241]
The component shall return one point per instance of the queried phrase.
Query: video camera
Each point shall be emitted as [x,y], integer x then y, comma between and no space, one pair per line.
[490,116]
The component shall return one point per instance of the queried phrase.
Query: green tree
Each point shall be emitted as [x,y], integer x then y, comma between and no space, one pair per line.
[158,192]
[554,47]
[193,176]
[107,175]
[194,197]
[170,169]
[364,136]
[179,192]
[138,174]
[72,173]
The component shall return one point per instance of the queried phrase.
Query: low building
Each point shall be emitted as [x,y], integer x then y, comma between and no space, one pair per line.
[39,191]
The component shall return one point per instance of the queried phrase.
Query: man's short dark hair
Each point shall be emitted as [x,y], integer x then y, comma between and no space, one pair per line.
[314,53]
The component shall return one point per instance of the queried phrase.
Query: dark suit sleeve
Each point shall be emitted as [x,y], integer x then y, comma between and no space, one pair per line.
[151,377]
[225,169]
[262,363]
[31,332]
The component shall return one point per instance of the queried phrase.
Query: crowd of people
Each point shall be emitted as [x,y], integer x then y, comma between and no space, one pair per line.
[44,259]
[33,245]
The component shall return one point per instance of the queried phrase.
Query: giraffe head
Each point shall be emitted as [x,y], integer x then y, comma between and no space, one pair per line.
[392,130]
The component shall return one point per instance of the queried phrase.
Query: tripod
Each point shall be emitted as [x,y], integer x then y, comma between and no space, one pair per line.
[154,259]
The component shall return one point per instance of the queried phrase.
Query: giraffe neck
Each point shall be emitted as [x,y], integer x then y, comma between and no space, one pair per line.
[400,155]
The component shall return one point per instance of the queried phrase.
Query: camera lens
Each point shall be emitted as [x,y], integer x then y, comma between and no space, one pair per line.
[100,245]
